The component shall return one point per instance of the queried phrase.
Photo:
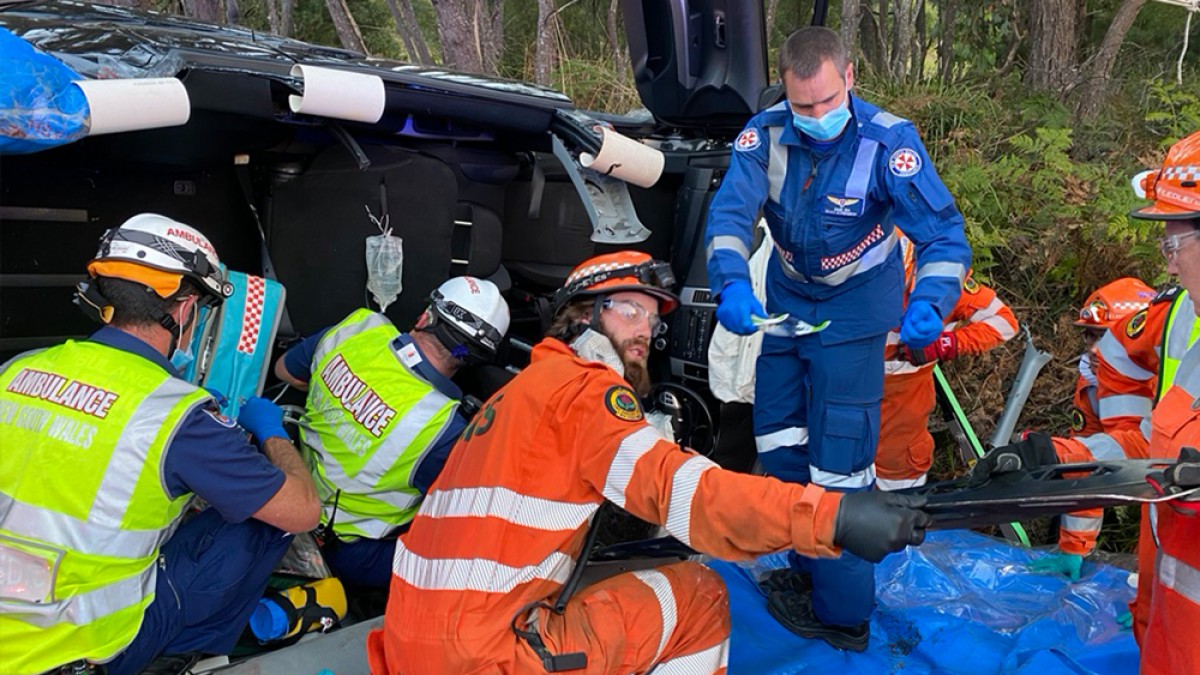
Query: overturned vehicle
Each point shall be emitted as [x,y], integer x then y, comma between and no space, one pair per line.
[297,160]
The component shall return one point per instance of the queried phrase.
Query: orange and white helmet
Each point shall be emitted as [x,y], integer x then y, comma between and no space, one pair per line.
[1175,188]
[1114,301]
[620,271]
[159,252]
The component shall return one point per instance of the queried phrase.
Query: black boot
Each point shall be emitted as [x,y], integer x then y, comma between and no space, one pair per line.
[786,579]
[794,611]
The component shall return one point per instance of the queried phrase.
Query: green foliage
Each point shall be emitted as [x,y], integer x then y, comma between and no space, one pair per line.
[1174,110]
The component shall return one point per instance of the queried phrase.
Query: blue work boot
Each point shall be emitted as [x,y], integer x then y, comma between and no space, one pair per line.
[794,611]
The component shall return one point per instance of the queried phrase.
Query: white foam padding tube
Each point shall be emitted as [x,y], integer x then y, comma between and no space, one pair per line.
[625,158]
[340,94]
[135,104]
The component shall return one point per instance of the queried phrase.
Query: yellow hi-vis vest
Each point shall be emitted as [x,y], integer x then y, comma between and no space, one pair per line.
[83,508]
[371,419]
[1181,331]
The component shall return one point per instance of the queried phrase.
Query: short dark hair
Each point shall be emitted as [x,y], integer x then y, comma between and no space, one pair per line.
[135,305]
[803,53]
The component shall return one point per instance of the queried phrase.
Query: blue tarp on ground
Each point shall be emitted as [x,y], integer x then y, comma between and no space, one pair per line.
[960,603]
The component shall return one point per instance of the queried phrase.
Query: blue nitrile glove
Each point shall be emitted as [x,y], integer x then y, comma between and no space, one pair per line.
[737,305]
[1125,620]
[222,400]
[1067,564]
[921,325]
[262,418]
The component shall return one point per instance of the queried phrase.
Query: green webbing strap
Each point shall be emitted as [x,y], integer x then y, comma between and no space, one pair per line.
[1012,530]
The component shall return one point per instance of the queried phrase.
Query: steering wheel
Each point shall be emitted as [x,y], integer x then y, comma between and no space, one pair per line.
[690,416]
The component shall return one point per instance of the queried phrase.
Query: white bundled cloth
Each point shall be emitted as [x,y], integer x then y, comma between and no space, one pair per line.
[385,263]
[732,357]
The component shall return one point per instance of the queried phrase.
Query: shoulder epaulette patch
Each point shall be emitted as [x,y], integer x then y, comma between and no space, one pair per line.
[1137,324]
[623,404]
[970,285]
[1167,294]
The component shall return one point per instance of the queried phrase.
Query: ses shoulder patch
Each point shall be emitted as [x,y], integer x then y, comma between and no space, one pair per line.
[1137,324]
[748,140]
[970,285]
[1076,419]
[623,404]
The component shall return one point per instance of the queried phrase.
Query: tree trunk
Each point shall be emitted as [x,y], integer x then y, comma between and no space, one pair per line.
[410,32]
[946,40]
[345,25]
[233,13]
[491,28]
[1052,46]
[547,42]
[273,22]
[204,10]
[1095,87]
[286,9]
[472,34]
[851,18]
[772,8]
[620,56]
[902,37]
[917,57]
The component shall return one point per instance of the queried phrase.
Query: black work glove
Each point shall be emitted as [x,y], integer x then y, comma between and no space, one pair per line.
[1036,450]
[873,524]
[1186,473]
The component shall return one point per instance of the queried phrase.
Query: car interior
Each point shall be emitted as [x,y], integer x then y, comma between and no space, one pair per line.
[476,176]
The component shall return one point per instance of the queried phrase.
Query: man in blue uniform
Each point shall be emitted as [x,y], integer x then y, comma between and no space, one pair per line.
[833,176]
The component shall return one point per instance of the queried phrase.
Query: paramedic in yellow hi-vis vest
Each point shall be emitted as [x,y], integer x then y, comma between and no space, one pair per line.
[382,415]
[104,447]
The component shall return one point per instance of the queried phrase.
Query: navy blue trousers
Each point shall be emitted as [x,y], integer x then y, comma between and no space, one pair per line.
[215,572]
[816,419]
[362,562]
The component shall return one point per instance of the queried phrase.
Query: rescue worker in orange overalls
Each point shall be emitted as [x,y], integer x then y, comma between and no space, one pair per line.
[1104,308]
[980,321]
[501,528]
[1167,609]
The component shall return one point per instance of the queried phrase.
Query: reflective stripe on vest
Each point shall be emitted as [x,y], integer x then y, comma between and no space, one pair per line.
[1182,330]
[372,419]
[857,185]
[83,508]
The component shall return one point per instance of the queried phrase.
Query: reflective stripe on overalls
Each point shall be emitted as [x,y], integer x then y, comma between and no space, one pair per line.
[371,418]
[83,506]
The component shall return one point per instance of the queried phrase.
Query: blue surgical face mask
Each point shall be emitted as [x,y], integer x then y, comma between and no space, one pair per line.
[827,127]
[182,358]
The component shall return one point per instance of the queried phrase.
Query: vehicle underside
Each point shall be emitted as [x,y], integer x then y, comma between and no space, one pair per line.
[477,177]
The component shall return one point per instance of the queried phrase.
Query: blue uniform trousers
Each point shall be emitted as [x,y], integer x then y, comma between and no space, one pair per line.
[362,562]
[816,419]
[215,572]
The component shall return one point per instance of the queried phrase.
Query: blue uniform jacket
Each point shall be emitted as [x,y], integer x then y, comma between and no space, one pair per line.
[833,210]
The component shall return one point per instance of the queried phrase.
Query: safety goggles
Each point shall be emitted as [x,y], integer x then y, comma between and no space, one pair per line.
[1171,245]
[632,313]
